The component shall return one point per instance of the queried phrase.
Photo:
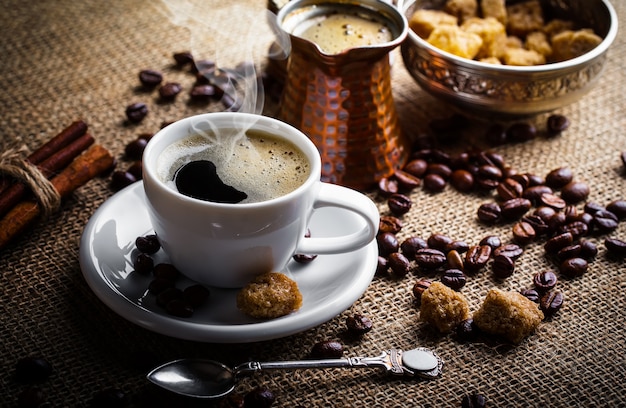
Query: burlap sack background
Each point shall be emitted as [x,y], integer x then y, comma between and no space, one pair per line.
[65,60]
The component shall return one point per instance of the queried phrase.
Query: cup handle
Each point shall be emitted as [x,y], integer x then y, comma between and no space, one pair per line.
[331,195]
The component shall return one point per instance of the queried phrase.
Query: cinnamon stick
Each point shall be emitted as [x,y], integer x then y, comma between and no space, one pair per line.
[85,167]
[54,163]
[64,138]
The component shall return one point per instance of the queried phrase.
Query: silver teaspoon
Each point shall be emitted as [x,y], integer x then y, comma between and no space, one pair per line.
[201,378]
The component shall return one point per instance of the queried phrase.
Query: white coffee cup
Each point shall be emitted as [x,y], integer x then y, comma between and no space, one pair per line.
[227,245]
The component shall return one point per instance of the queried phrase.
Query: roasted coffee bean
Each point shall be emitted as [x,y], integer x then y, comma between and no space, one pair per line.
[168,295]
[387,243]
[556,222]
[110,398]
[509,188]
[390,224]
[538,224]
[545,213]
[399,204]
[150,78]
[358,324]
[388,186]
[407,181]
[523,233]
[207,68]
[419,287]
[577,228]
[591,207]
[512,251]
[476,258]
[143,264]
[170,90]
[521,132]
[259,397]
[179,308]
[534,180]
[558,242]
[605,221]
[490,172]
[121,179]
[474,401]
[304,258]
[32,397]
[439,241]
[434,183]
[570,251]
[556,124]
[454,259]
[588,250]
[571,213]
[166,271]
[416,167]
[148,244]
[573,267]
[134,150]
[489,213]
[459,246]
[615,247]
[530,294]
[183,58]
[559,178]
[618,207]
[545,281]
[399,264]
[459,160]
[552,200]
[502,267]
[159,285]
[196,295]
[493,241]
[462,180]
[411,245]
[534,193]
[136,112]
[496,135]
[515,208]
[430,259]
[467,330]
[491,159]
[551,302]
[382,266]
[440,169]
[522,179]
[583,217]
[454,279]
[575,192]
[32,369]
[231,101]
[205,92]
[327,349]
[136,170]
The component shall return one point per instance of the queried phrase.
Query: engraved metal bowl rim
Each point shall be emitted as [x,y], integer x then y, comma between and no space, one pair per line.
[521,70]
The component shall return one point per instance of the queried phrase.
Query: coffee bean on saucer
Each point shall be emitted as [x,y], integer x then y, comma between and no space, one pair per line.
[304,258]
[143,264]
[358,324]
[327,349]
[148,244]
[167,295]
[136,112]
[150,78]
[196,294]
[179,308]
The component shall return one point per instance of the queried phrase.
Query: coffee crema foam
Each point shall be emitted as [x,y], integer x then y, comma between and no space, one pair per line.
[257,163]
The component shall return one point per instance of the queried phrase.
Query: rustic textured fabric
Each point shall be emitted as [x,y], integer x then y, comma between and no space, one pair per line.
[67,60]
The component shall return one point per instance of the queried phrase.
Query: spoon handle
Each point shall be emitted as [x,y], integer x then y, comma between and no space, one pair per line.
[389,360]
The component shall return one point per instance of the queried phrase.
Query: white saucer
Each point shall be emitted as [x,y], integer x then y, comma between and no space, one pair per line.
[329,285]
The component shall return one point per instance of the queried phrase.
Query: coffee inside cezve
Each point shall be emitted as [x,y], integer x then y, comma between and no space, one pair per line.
[199,179]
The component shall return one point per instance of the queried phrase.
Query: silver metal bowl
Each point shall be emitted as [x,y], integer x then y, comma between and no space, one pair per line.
[501,90]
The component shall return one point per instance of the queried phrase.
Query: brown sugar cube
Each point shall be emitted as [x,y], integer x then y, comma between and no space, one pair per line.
[269,295]
[538,41]
[456,41]
[491,31]
[461,9]
[508,314]
[524,18]
[572,44]
[522,57]
[495,9]
[423,22]
[556,26]
[443,308]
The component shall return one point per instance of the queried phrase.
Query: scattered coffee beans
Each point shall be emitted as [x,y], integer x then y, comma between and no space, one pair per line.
[327,349]
[358,324]
[136,112]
